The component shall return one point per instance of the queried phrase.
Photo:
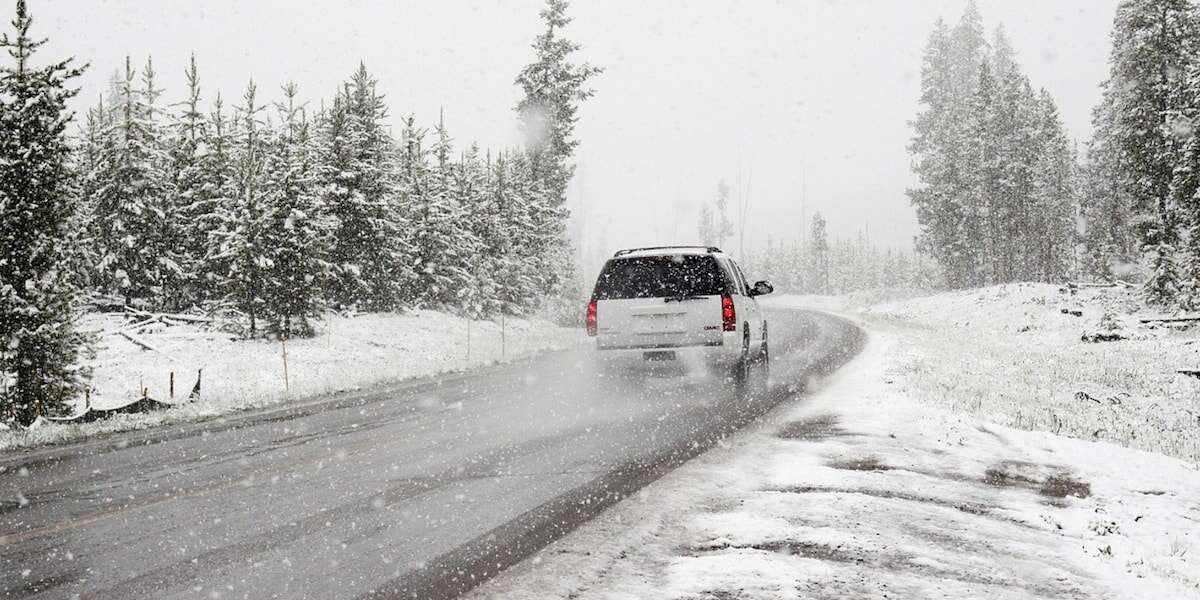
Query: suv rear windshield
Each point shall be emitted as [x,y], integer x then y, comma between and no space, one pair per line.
[660,277]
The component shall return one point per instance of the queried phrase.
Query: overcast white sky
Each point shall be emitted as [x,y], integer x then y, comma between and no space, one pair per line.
[811,98]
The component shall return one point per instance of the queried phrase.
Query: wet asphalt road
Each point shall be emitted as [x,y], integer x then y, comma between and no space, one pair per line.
[418,490]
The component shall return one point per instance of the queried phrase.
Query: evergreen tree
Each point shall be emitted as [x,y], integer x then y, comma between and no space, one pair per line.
[939,199]
[39,347]
[1054,198]
[194,204]
[86,162]
[210,213]
[479,230]
[434,216]
[707,228]
[165,233]
[131,197]
[295,231]
[1138,145]
[1162,286]
[997,178]
[819,275]
[723,227]
[1107,212]
[553,87]
[368,253]
[505,186]
[244,248]
[534,231]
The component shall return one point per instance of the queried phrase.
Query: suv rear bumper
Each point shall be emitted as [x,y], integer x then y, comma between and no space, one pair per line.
[713,344]
[725,351]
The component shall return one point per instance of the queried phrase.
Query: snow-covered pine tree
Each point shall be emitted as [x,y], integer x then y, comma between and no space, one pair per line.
[949,80]
[193,204]
[131,196]
[507,182]
[470,192]
[218,189]
[1055,198]
[1154,45]
[706,228]
[295,229]
[1162,286]
[243,248]
[980,236]
[554,86]
[722,228]
[434,216]
[165,237]
[819,258]
[1185,192]
[86,161]
[1003,56]
[549,258]
[39,347]
[1108,233]
[1021,151]
[978,159]
[368,253]
[968,48]
[494,234]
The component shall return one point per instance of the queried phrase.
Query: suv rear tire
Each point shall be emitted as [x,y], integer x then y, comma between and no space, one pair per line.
[765,357]
[741,368]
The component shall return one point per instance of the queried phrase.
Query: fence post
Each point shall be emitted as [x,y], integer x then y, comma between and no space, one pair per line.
[286,385]
[503,339]
[171,387]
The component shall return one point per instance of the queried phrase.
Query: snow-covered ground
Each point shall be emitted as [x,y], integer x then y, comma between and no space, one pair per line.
[861,490]
[348,353]
[1010,354]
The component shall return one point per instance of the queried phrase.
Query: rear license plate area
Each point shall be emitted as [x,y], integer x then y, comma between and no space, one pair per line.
[659,355]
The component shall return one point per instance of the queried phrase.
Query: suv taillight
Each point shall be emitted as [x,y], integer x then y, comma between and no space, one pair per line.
[728,314]
[591,318]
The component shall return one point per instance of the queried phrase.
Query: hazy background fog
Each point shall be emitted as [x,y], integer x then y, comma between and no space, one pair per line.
[810,100]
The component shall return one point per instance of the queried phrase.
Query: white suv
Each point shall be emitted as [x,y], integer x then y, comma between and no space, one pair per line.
[677,303]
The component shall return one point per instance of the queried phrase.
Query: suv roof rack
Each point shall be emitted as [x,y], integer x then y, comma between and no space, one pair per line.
[709,249]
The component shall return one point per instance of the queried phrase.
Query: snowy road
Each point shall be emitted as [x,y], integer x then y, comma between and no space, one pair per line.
[416,490]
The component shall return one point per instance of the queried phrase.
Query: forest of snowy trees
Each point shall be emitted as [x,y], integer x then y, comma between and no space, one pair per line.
[278,211]
[812,262]
[268,210]
[816,263]
[1002,196]
[1142,183]
[998,197]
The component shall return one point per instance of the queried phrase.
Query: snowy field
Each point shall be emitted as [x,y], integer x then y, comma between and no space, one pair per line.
[1010,354]
[348,353]
[861,490]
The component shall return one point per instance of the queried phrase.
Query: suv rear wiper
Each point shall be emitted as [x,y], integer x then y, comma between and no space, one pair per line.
[682,297]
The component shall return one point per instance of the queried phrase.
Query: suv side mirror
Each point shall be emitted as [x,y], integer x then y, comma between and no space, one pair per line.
[762,288]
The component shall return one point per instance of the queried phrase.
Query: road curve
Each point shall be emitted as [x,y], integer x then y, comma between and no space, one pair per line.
[417,490]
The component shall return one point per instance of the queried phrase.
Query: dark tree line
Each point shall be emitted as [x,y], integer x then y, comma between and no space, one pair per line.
[266,208]
[997,197]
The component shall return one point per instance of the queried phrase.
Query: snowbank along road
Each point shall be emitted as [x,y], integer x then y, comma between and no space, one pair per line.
[417,490]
